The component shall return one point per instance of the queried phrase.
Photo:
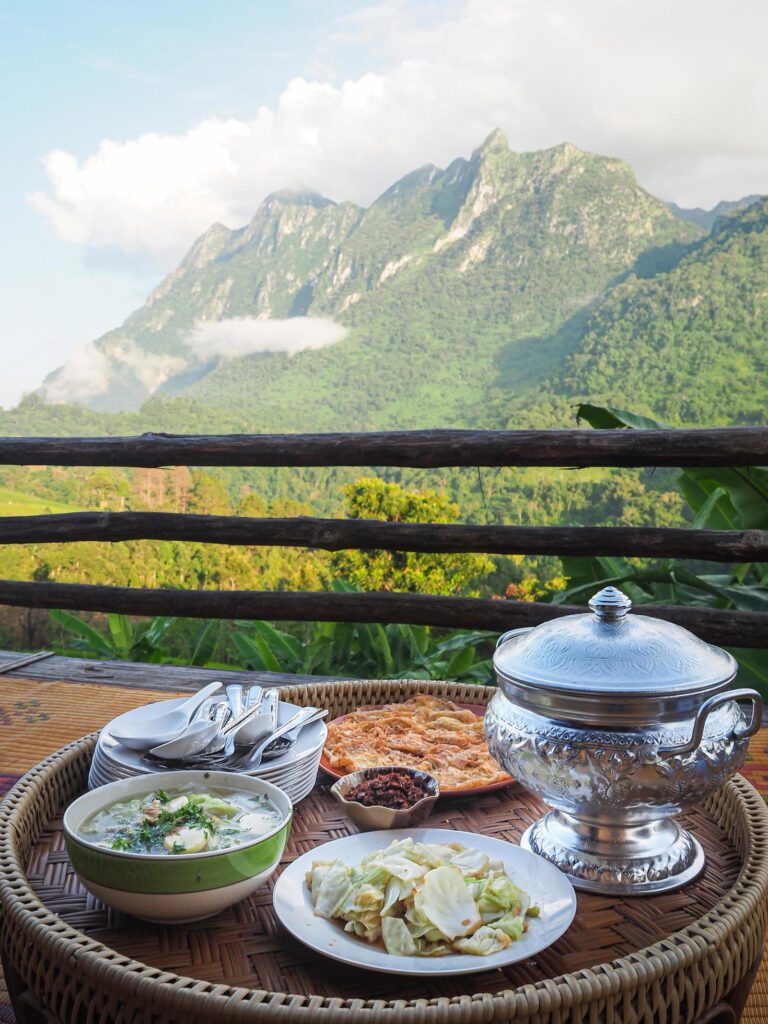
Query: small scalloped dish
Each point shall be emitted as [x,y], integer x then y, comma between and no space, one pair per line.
[377,816]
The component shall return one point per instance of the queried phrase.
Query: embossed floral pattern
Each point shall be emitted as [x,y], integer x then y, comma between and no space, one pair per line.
[573,768]
[635,651]
[680,857]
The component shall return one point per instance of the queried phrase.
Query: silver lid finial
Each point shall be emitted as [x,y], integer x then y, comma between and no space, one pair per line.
[610,604]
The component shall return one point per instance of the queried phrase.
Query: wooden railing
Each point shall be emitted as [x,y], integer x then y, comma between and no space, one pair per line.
[733,446]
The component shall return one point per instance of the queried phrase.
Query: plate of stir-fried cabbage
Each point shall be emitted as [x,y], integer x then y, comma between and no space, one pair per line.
[424,901]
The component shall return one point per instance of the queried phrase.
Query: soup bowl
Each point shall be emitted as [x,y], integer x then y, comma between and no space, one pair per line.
[174,888]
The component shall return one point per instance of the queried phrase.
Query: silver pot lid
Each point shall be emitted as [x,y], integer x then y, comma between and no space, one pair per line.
[609,651]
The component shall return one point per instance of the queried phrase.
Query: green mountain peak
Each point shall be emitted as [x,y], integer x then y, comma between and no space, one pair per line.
[449,274]
[706,218]
[291,197]
[495,142]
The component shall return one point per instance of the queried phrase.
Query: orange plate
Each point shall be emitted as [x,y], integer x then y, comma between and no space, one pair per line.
[477,709]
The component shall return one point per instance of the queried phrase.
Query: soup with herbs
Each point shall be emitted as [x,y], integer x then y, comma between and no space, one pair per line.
[181,821]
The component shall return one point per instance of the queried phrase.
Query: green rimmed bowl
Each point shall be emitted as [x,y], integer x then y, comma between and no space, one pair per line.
[172,889]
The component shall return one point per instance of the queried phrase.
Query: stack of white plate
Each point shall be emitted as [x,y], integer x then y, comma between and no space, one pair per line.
[294,772]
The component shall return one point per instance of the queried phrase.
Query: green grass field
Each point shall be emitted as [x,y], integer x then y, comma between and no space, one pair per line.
[16,503]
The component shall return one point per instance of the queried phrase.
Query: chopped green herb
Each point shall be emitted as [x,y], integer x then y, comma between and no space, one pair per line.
[144,824]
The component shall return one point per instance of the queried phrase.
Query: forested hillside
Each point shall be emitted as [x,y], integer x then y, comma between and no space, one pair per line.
[690,345]
[619,499]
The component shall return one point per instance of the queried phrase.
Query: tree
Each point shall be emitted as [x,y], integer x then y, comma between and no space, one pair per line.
[372,498]
[209,495]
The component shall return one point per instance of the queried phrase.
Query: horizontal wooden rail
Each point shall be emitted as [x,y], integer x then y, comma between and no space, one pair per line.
[724,446]
[731,628]
[339,534]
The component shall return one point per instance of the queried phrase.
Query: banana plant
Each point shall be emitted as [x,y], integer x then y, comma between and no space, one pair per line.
[124,640]
[351,649]
[367,650]
[121,640]
[733,498]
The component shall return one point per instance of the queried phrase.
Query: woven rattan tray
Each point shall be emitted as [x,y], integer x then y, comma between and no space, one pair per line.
[664,959]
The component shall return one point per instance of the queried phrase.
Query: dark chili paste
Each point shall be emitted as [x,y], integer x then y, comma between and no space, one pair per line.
[394,789]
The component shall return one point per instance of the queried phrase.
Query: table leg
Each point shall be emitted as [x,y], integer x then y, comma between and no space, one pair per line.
[26,1008]
[730,1009]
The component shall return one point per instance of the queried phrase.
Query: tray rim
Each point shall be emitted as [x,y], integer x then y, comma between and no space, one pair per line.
[721,945]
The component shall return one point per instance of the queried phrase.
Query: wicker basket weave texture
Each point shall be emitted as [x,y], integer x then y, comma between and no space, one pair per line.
[673,981]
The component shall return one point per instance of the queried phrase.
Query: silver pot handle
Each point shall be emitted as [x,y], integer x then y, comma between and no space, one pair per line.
[749,728]
[512,632]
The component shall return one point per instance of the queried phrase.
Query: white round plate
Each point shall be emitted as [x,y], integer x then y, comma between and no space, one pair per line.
[291,772]
[547,886]
[295,779]
[123,763]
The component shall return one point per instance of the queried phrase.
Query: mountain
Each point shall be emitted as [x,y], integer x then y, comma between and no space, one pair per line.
[460,289]
[706,218]
[255,271]
[497,292]
[691,344]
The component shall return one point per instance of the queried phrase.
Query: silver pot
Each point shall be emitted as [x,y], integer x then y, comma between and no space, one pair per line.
[619,722]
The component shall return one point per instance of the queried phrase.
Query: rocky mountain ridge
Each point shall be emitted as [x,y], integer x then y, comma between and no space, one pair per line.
[706,218]
[508,245]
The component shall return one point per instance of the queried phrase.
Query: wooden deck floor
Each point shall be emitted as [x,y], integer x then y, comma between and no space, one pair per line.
[141,676]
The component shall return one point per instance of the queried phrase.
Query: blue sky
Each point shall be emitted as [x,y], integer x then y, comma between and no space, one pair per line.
[129,128]
[73,74]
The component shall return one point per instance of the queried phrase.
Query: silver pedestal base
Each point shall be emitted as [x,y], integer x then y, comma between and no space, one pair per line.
[630,861]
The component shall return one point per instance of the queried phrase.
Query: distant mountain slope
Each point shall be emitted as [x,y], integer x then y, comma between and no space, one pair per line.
[453,283]
[691,345]
[255,271]
[706,218]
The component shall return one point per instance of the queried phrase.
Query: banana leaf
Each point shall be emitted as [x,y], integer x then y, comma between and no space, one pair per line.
[607,417]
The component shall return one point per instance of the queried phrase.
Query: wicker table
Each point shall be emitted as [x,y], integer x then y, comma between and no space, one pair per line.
[676,958]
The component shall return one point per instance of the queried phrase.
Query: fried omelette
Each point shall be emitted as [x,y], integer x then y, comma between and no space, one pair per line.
[427,733]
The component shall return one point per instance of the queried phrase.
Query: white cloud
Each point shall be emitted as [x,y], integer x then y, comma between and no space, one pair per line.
[90,369]
[678,89]
[151,368]
[85,373]
[241,336]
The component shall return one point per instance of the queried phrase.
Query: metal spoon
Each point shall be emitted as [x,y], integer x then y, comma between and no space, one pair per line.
[204,737]
[235,698]
[234,729]
[266,720]
[252,759]
[270,704]
[253,695]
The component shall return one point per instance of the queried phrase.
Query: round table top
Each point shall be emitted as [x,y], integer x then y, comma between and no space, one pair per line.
[247,946]
[620,950]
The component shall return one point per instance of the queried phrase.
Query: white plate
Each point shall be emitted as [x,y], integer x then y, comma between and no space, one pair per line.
[288,783]
[124,763]
[304,767]
[295,789]
[547,886]
[296,780]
